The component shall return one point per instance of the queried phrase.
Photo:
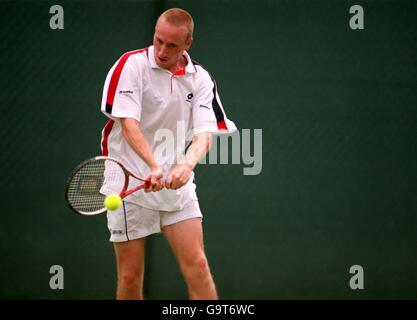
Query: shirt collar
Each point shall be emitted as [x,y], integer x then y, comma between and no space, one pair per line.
[189,68]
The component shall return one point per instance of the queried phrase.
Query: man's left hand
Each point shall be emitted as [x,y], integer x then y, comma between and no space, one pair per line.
[178,176]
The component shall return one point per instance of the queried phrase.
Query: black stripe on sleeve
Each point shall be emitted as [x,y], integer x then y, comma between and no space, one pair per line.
[109,108]
[216,105]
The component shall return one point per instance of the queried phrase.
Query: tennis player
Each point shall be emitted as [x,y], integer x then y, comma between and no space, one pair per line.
[146,91]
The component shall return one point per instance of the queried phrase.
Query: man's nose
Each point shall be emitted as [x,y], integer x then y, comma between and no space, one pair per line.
[162,51]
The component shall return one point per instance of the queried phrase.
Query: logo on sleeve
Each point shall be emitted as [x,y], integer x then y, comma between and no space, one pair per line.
[125,92]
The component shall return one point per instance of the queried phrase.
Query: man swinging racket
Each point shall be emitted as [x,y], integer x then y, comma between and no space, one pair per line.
[147,90]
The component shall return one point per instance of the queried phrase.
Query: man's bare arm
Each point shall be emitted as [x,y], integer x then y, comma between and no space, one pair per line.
[181,173]
[133,135]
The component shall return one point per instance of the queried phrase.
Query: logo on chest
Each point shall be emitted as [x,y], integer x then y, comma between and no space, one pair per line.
[189,97]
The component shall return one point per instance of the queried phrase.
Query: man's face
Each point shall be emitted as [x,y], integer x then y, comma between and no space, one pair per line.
[170,42]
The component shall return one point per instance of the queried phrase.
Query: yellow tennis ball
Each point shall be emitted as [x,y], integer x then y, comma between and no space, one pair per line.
[112,202]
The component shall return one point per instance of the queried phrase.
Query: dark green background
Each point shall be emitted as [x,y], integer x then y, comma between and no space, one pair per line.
[338,113]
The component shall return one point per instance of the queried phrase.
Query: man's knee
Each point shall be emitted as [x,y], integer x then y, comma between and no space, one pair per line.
[201,263]
[196,267]
[129,278]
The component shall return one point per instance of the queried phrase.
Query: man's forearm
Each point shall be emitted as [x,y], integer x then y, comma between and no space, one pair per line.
[137,141]
[199,148]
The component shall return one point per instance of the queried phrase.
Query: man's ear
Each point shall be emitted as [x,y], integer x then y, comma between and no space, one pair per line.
[188,43]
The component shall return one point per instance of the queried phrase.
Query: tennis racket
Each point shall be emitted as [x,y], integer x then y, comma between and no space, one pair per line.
[94,179]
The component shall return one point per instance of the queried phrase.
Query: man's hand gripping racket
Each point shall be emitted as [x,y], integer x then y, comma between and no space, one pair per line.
[94,179]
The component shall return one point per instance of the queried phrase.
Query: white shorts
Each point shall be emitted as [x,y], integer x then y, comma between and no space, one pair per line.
[132,221]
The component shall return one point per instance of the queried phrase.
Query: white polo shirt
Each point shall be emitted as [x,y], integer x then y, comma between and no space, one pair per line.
[167,106]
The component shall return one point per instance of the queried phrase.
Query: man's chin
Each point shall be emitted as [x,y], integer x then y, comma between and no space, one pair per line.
[161,65]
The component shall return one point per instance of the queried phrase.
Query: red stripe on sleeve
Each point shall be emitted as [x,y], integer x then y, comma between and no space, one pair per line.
[221,125]
[114,81]
[105,139]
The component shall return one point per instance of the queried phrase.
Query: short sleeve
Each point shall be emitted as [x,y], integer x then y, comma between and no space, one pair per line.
[123,91]
[208,112]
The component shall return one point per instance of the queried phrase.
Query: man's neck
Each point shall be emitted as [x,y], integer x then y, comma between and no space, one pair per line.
[182,63]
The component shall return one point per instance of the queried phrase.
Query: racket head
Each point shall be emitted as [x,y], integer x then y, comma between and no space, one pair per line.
[91,181]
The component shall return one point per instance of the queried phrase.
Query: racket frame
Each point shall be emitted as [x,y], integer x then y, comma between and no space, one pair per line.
[123,193]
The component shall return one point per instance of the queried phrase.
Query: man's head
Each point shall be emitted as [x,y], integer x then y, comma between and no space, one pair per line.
[173,35]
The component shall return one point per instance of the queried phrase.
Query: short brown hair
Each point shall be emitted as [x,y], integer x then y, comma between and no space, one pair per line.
[178,17]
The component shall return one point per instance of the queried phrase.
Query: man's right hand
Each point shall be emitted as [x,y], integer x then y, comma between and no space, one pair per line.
[155,177]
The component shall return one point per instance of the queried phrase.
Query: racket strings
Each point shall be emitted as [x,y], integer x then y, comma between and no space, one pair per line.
[90,184]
